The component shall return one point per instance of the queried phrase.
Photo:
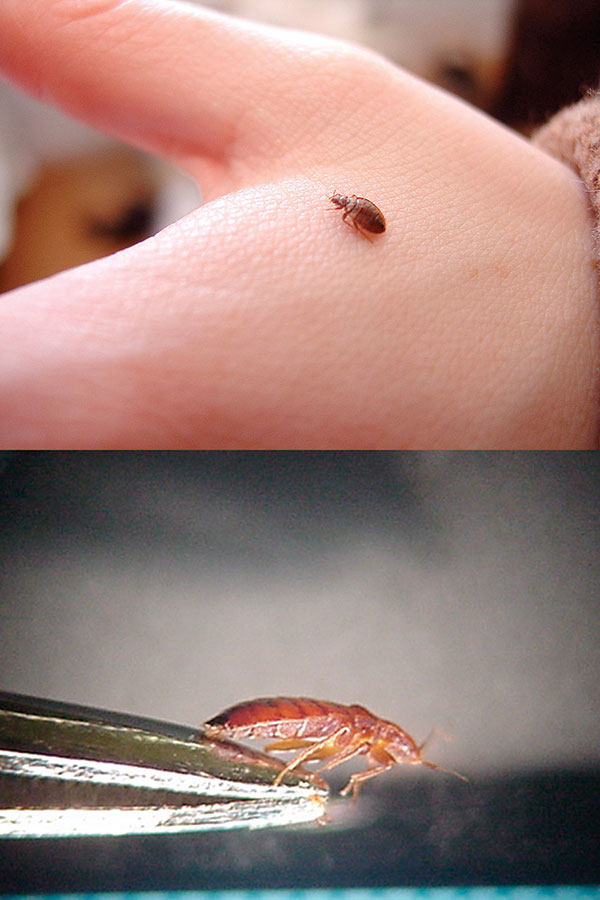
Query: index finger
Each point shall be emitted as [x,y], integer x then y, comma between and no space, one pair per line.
[171,77]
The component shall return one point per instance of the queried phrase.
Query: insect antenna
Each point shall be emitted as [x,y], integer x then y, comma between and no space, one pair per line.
[431,765]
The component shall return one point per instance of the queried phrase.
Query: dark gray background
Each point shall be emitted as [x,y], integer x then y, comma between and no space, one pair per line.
[450,590]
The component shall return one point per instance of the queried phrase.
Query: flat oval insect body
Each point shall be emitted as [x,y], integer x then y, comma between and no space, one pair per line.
[360,213]
[321,730]
[274,717]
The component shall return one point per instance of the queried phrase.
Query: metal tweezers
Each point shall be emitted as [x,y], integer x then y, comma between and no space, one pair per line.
[69,770]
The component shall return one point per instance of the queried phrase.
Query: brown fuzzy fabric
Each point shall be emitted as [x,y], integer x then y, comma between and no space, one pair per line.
[573,136]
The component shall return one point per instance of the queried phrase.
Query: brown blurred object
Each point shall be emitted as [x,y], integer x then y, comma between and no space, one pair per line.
[79,210]
[553,60]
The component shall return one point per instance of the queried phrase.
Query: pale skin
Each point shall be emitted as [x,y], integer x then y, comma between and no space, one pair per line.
[262,320]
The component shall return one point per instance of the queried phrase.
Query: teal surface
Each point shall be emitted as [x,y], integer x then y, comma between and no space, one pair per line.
[545,892]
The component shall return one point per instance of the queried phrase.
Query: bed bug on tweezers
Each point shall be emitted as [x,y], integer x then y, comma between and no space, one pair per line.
[321,730]
[360,213]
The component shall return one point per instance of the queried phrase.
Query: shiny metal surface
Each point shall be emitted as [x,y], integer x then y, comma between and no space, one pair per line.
[73,771]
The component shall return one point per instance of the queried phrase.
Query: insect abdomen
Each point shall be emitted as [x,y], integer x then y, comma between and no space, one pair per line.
[276,717]
[368,216]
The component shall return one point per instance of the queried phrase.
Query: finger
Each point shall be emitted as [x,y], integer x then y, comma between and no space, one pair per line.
[171,77]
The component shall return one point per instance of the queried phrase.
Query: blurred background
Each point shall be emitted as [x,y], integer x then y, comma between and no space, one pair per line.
[451,591]
[69,194]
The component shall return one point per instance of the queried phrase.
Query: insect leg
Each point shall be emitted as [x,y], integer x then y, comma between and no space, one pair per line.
[357,779]
[383,761]
[313,751]
[289,744]
[352,223]
[365,235]
[344,755]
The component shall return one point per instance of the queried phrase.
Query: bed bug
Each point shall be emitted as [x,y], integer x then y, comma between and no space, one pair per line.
[360,213]
[321,730]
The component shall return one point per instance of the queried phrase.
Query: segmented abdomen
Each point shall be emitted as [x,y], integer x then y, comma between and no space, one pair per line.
[278,717]
[368,216]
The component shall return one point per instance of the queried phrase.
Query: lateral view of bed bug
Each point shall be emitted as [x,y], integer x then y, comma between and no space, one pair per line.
[361,214]
[321,730]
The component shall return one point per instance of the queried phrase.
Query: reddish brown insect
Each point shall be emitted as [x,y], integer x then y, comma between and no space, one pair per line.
[360,213]
[321,730]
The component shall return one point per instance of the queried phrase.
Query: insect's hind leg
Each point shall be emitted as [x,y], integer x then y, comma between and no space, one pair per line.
[352,224]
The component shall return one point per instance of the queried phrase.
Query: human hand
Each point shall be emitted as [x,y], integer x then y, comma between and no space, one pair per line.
[261,320]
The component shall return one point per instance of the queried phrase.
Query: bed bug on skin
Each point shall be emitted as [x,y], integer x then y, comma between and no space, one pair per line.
[321,730]
[360,213]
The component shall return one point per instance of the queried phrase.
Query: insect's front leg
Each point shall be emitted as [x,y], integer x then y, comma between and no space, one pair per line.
[383,762]
[357,779]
